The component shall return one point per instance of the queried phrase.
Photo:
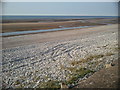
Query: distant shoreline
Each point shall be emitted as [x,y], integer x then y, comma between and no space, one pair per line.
[59,23]
[24,18]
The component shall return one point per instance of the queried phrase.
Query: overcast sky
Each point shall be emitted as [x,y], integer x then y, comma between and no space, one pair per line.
[61,8]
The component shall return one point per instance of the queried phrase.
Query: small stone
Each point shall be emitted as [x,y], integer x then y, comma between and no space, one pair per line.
[107,65]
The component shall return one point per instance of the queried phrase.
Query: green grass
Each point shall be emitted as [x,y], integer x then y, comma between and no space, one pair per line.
[81,72]
[78,73]
[50,84]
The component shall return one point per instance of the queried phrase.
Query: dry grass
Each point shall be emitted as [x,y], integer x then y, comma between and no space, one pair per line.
[81,72]
[76,73]
[89,58]
[109,54]
[17,82]
[117,48]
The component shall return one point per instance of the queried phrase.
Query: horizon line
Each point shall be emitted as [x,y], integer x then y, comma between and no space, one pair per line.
[60,1]
[51,15]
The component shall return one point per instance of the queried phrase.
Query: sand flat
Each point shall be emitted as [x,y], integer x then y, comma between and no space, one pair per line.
[27,26]
[20,40]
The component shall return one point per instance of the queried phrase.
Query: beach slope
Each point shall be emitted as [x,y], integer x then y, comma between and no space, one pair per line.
[36,60]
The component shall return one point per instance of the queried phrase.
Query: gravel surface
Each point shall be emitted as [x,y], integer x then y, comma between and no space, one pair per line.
[29,64]
[105,78]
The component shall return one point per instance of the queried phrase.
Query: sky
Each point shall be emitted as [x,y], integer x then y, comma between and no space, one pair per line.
[61,8]
[59,0]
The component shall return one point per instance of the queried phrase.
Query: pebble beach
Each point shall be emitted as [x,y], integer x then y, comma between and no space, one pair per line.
[35,60]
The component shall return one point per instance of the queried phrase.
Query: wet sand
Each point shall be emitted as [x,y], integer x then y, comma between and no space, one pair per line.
[27,26]
[20,40]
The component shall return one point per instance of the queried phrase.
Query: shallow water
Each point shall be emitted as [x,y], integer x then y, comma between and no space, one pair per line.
[37,31]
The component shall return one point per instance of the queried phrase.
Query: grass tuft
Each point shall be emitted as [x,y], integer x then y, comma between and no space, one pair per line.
[17,82]
[117,48]
[89,58]
[50,84]
[109,54]
[78,73]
